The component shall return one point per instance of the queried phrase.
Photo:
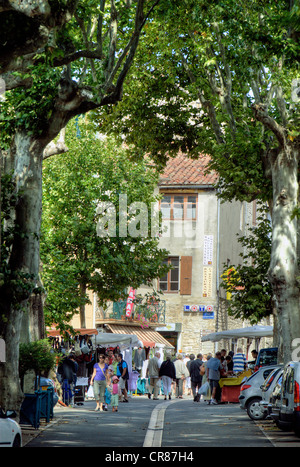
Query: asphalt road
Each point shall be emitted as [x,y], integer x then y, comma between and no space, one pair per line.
[148,425]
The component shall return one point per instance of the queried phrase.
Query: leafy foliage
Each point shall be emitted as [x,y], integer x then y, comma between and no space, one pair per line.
[74,257]
[247,284]
[37,356]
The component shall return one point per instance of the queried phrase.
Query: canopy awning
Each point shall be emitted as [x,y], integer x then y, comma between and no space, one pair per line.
[148,337]
[110,339]
[80,331]
[252,332]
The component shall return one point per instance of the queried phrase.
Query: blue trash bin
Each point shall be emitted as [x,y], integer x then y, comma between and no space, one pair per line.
[47,404]
[30,413]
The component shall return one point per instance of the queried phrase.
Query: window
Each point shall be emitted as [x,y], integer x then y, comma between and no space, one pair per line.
[174,282]
[179,207]
[170,282]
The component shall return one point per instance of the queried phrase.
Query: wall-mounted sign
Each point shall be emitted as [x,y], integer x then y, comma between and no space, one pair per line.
[202,308]
[129,304]
[208,315]
[208,250]
[207,282]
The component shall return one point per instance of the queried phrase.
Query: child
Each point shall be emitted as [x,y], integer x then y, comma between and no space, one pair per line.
[115,393]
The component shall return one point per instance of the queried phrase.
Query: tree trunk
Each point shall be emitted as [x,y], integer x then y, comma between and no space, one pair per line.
[284,266]
[24,161]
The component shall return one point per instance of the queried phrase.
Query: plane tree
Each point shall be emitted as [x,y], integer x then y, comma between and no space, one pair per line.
[58,59]
[225,82]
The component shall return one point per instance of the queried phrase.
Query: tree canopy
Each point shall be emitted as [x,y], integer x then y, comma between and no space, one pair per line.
[74,257]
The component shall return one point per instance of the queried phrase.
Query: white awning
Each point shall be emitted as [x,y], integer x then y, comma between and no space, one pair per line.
[107,338]
[251,332]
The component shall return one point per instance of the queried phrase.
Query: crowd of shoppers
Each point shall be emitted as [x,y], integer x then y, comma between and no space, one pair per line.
[179,376]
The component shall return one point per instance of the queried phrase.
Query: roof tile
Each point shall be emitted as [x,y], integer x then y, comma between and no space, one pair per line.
[182,170]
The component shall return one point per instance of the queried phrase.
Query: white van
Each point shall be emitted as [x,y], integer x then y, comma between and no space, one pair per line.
[286,413]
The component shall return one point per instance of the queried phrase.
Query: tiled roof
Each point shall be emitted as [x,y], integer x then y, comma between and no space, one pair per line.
[182,170]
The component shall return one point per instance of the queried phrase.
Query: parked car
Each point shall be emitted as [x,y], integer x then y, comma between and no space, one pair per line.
[251,392]
[266,357]
[268,390]
[10,430]
[286,407]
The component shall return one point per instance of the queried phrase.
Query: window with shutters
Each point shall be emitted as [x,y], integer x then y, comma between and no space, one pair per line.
[170,282]
[179,278]
[179,206]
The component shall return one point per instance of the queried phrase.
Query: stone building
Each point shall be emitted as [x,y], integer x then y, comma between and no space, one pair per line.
[200,234]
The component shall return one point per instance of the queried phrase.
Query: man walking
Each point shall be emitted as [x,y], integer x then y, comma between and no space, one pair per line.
[153,374]
[194,369]
[213,368]
[123,375]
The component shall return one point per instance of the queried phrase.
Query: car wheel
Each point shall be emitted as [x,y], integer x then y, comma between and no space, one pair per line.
[297,430]
[17,442]
[254,410]
[283,426]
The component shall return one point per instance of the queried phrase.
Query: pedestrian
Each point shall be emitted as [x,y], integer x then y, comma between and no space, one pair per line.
[213,372]
[68,370]
[153,374]
[114,363]
[254,354]
[207,396]
[123,375]
[196,377]
[110,355]
[187,382]
[229,364]
[98,380]
[114,390]
[239,361]
[181,373]
[168,374]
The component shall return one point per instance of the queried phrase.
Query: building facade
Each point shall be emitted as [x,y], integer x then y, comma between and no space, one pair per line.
[200,234]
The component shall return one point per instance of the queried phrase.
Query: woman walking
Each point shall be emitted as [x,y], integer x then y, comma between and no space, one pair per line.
[99,382]
[167,374]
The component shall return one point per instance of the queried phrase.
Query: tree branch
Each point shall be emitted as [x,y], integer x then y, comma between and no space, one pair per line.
[59,147]
[261,114]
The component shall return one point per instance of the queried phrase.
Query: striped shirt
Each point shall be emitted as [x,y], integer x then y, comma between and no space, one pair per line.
[239,362]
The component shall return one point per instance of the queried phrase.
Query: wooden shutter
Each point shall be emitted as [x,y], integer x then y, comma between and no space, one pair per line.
[186,275]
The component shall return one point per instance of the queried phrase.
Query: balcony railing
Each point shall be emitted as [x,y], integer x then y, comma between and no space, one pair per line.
[150,313]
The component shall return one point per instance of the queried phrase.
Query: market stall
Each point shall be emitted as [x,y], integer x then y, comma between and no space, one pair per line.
[251,332]
[231,386]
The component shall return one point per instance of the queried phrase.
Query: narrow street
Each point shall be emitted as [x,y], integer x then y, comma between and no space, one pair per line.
[149,424]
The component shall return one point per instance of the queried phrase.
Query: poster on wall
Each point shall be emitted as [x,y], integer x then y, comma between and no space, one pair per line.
[207,282]
[208,250]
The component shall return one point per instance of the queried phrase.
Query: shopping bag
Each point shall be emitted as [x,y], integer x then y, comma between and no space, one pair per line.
[90,393]
[204,389]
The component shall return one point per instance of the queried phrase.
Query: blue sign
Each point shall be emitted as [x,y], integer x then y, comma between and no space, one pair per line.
[208,315]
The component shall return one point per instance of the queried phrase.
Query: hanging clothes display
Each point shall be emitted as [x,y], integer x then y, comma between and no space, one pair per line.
[139,358]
